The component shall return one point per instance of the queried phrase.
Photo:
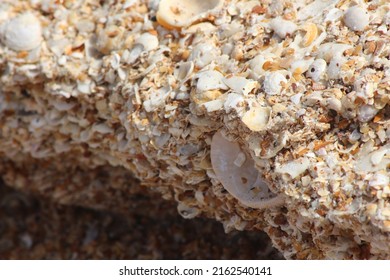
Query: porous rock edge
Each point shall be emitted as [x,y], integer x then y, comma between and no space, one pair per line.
[108,85]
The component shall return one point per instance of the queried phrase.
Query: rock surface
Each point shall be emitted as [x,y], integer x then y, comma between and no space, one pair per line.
[108,84]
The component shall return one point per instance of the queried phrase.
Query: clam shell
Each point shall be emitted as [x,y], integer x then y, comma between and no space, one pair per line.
[23,33]
[241,180]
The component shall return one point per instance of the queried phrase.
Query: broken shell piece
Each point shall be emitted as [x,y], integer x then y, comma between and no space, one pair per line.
[186,211]
[371,161]
[315,8]
[366,113]
[203,27]
[174,14]
[184,71]
[294,168]
[256,64]
[240,84]
[148,41]
[317,70]
[329,50]
[203,54]
[23,33]
[311,34]
[356,18]
[209,80]
[242,182]
[282,27]
[257,118]
[272,82]
[334,68]
[300,66]
[379,179]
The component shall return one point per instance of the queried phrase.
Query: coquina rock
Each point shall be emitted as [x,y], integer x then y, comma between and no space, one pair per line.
[265,115]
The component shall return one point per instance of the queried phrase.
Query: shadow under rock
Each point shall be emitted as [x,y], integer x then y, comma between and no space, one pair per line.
[32,228]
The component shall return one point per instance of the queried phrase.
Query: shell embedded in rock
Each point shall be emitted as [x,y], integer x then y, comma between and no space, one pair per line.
[241,180]
[257,118]
[209,80]
[23,33]
[180,13]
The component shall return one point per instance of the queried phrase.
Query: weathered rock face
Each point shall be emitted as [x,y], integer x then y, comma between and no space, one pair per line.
[300,89]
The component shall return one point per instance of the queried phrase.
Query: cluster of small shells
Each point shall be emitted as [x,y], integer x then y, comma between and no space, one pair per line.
[188,95]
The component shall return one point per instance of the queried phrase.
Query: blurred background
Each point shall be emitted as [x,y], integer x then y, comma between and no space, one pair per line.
[33,227]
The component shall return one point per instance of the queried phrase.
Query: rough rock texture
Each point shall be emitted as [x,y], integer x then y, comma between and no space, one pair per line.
[301,87]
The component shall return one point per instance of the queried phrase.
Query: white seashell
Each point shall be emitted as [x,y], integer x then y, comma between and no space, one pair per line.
[334,68]
[213,105]
[333,15]
[294,168]
[296,98]
[184,71]
[272,82]
[256,64]
[23,33]
[209,80]
[242,182]
[366,113]
[148,41]
[328,51]
[377,156]
[180,13]
[204,27]
[228,30]
[233,101]
[157,99]
[354,136]
[334,104]
[317,70]
[257,118]
[282,27]
[240,84]
[379,179]
[301,66]
[371,161]
[315,8]
[186,211]
[134,54]
[356,18]
[364,89]
[203,54]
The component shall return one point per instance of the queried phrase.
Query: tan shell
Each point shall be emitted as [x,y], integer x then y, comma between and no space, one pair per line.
[257,118]
[238,174]
[174,14]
